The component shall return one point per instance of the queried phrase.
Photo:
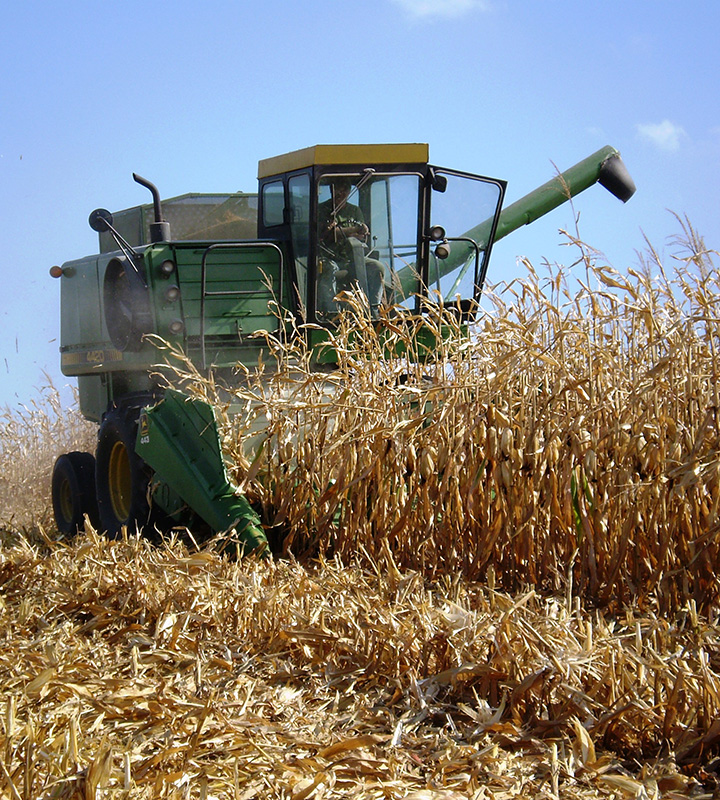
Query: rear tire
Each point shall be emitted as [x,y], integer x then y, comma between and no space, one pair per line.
[73,492]
[121,476]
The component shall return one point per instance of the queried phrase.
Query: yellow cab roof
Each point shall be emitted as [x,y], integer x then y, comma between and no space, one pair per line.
[325,154]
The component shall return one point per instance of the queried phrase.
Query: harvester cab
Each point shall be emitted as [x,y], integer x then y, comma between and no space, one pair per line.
[378,218]
[206,273]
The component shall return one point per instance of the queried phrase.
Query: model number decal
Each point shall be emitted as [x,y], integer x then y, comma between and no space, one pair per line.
[96,356]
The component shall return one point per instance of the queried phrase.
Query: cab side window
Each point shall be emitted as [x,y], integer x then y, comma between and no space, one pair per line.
[273,197]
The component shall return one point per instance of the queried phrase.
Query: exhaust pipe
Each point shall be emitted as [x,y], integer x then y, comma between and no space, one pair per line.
[160,229]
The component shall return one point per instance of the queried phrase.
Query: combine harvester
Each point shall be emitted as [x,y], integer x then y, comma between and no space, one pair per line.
[204,272]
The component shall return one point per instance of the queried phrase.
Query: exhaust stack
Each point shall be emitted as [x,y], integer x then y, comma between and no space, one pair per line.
[160,229]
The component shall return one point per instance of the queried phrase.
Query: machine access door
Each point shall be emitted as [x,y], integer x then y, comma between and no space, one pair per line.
[466,208]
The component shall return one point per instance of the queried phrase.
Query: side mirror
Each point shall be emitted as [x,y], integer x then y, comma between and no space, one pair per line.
[437,182]
[100,220]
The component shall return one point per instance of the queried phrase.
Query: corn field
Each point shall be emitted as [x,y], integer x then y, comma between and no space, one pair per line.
[569,443]
[31,438]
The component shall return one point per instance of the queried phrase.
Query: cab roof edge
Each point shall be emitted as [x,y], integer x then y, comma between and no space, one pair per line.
[325,154]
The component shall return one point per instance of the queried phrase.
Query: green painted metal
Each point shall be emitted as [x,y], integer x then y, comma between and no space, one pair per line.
[242,284]
[178,437]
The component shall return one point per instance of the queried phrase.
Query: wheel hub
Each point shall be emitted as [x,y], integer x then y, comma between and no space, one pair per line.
[120,481]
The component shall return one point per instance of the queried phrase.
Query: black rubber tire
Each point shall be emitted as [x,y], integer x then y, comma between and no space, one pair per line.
[121,476]
[73,492]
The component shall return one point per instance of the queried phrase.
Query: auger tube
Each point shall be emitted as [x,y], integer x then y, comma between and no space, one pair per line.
[595,168]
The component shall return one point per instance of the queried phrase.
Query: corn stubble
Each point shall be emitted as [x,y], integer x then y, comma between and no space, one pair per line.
[512,591]
[133,670]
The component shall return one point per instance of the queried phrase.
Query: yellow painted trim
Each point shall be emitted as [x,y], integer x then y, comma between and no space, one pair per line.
[95,357]
[344,154]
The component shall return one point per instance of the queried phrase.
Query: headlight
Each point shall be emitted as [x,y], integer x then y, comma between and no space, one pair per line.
[172,293]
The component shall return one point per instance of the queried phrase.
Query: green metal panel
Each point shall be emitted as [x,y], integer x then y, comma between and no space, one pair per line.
[246,269]
[80,321]
[251,272]
[243,281]
[93,396]
[179,439]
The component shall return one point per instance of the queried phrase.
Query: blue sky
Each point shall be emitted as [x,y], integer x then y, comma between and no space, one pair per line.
[191,95]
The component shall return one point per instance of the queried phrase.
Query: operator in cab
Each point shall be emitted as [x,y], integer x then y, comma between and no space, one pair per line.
[343,235]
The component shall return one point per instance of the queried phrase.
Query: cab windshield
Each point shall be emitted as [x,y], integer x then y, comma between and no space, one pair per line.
[373,234]
[367,236]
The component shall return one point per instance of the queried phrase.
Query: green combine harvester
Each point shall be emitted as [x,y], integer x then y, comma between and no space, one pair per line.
[203,273]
